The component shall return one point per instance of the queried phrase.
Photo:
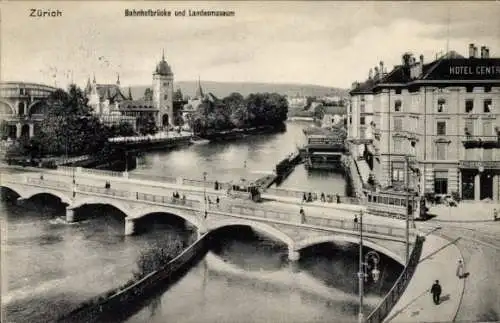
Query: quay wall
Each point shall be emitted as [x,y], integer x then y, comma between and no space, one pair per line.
[119,299]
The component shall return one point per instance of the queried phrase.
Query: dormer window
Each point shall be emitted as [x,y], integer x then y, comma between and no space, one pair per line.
[397,106]
[440,106]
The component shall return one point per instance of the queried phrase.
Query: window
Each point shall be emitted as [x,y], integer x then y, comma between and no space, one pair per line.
[487,154]
[441,128]
[362,133]
[398,173]
[487,128]
[398,91]
[398,145]
[165,96]
[398,124]
[362,108]
[441,182]
[469,127]
[487,106]
[362,120]
[469,105]
[441,103]
[469,89]
[362,98]
[441,151]
[350,120]
[397,106]
[22,91]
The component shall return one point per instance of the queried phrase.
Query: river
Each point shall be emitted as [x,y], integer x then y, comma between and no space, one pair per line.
[49,266]
[247,157]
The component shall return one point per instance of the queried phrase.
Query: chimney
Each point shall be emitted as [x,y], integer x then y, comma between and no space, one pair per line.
[482,51]
[370,74]
[475,52]
[471,50]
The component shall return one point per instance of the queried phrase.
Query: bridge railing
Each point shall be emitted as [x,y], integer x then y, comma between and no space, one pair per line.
[348,225]
[48,183]
[316,195]
[385,306]
[102,190]
[166,200]
[153,178]
[101,172]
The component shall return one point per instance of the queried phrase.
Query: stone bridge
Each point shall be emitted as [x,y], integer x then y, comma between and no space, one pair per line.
[295,230]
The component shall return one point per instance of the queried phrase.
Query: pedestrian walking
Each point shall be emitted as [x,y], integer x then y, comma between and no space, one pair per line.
[355,221]
[460,269]
[323,198]
[338,199]
[436,292]
[495,214]
[304,198]
[217,200]
[302,215]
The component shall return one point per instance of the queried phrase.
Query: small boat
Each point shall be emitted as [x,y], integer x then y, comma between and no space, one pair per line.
[195,140]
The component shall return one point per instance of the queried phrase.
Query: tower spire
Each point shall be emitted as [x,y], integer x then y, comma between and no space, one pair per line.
[94,78]
[163,54]
[118,79]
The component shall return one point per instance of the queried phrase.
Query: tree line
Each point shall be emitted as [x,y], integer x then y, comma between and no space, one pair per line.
[235,111]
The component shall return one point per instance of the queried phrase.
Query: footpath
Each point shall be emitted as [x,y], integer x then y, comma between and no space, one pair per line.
[438,262]
[465,212]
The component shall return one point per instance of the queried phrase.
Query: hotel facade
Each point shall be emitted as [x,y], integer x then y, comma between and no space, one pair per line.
[441,118]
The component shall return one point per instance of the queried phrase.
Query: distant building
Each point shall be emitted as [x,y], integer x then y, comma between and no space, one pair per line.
[444,115]
[297,101]
[112,106]
[22,107]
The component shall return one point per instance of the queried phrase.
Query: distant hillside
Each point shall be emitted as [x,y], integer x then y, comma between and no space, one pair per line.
[222,89]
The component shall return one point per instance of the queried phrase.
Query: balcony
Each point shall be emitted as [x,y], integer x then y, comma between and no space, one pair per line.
[477,164]
[481,141]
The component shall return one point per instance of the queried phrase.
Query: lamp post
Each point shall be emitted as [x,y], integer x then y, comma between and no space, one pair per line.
[363,269]
[205,193]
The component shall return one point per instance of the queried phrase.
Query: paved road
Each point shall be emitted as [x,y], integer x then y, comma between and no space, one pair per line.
[479,244]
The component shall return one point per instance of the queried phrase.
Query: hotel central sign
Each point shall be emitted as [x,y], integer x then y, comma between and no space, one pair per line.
[479,70]
[468,69]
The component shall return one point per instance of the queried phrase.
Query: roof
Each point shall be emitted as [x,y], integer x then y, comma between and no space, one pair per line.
[439,69]
[137,105]
[110,91]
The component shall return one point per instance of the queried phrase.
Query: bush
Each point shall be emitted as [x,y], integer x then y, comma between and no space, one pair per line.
[455,196]
[155,258]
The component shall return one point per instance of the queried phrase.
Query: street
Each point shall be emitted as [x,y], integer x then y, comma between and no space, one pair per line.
[479,244]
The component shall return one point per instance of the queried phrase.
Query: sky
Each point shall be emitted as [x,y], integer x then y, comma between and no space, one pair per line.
[324,43]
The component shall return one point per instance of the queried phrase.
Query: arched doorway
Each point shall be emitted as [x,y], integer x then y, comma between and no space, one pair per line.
[164,120]
[21,108]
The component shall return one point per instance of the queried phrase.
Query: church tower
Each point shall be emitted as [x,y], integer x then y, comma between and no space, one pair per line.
[163,93]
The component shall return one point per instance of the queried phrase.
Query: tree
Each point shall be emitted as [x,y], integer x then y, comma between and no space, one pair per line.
[148,94]
[147,125]
[178,95]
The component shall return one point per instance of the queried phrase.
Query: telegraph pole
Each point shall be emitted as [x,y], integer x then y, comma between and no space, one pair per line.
[408,209]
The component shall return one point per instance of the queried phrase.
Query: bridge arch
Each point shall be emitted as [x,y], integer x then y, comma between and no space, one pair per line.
[191,218]
[64,199]
[89,201]
[259,226]
[352,239]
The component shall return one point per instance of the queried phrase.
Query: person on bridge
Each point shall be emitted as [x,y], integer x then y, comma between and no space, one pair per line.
[355,221]
[217,200]
[302,215]
[495,214]
[436,292]
[323,198]
[304,198]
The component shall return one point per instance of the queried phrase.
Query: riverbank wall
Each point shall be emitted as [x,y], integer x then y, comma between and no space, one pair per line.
[122,301]
[352,176]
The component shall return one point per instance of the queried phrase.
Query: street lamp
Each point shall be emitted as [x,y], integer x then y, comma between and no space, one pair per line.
[205,193]
[363,268]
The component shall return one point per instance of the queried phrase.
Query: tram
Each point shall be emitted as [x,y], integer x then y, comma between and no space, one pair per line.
[245,190]
[394,204]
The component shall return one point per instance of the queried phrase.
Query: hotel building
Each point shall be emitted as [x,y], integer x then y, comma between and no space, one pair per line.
[443,116]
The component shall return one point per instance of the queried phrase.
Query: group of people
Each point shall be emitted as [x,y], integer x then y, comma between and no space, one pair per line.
[177,197]
[310,197]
